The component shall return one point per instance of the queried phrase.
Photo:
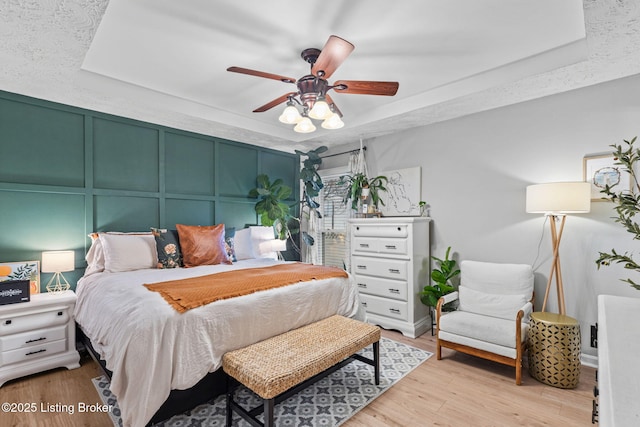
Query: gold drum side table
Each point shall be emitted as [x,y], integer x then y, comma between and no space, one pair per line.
[554,349]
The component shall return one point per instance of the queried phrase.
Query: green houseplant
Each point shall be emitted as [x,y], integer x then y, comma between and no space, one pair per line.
[627,206]
[311,186]
[361,186]
[441,277]
[270,206]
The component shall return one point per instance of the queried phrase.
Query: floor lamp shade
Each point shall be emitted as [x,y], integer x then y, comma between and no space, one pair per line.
[559,198]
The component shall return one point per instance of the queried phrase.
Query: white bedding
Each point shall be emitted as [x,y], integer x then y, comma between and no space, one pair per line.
[151,348]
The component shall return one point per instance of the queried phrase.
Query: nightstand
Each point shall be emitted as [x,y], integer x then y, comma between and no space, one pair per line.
[38,335]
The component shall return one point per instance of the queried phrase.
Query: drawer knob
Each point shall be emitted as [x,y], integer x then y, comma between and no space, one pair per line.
[364,245]
[394,310]
[36,340]
[364,304]
[362,267]
[7,322]
[60,313]
[42,350]
[362,285]
[390,246]
[394,270]
[394,291]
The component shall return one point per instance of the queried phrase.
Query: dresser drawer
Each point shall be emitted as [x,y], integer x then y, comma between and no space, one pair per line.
[384,307]
[32,352]
[22,322]
[26,339]
[379,230]
[388,268]
[395,289]
[365,244]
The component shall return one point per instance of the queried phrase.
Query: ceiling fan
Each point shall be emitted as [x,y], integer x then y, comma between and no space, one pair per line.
[312,91]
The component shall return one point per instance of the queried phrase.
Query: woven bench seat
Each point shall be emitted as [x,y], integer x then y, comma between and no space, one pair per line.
[276,365]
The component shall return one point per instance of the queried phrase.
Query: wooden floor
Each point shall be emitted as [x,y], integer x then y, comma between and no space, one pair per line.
[458,390]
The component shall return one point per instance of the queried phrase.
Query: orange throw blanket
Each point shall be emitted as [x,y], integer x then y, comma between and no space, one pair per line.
[185,294]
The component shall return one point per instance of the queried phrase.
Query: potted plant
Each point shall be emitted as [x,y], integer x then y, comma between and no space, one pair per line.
[270,206]
[361,187]
[441,277]
[627,206]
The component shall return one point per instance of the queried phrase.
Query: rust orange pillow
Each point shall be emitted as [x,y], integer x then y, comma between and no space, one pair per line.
[202,245]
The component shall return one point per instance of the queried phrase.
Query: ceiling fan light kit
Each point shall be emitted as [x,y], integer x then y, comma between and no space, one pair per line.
[312,91]
[305,126]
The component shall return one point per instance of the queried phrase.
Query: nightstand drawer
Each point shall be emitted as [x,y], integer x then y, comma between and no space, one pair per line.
[37,320]
[392,269]
[384,307]
[27,339]
[32,352]
[395,289]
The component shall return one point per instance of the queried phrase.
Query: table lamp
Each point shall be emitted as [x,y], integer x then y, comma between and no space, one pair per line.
[57,262]
[556,200]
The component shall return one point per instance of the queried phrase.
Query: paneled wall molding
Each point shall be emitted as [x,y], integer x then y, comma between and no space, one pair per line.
[67,172]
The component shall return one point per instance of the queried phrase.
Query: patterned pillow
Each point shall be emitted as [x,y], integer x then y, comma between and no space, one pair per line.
[229,242]
[168,247]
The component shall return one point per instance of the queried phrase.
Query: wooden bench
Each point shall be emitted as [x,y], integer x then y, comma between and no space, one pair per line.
[280,366]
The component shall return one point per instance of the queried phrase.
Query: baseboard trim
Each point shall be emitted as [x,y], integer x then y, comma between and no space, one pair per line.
[589,360]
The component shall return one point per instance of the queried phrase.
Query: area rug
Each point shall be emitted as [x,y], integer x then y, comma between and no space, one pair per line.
[329,402]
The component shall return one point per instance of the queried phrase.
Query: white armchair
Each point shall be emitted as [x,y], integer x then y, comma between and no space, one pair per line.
[492,317]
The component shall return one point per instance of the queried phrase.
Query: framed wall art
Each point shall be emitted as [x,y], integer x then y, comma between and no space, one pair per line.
[402,197]
[600,170]
[22,270]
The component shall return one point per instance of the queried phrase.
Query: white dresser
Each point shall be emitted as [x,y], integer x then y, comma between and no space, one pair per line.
[38,335]
[390,264]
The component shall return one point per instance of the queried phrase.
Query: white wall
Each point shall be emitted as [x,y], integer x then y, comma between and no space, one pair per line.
[475,170]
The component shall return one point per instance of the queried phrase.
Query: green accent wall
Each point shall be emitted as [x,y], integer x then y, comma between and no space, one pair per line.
[66,172]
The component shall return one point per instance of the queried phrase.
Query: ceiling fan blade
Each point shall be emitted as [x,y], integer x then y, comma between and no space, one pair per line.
[261,74]
[363,87]
[275,102]
[334,52]
[333,105]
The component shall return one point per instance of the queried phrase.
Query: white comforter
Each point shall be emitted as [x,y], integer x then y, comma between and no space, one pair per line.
[152,349]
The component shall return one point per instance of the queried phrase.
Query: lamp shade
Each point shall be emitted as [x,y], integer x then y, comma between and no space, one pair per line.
[559,198]
[58,261]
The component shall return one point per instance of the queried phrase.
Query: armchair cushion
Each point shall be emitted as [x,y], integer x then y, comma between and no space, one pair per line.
[495,305]
[482,328]
[504,279]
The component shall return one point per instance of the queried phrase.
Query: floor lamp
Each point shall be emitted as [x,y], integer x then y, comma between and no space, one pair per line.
[556,200]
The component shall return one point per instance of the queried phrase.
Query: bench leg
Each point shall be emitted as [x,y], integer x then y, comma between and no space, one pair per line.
[376,361]
[230,388]
[268,412]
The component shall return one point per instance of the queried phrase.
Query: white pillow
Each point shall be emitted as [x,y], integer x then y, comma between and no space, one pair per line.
[495,305]
[259,235]
[95,256]
[242,244]
[127,252]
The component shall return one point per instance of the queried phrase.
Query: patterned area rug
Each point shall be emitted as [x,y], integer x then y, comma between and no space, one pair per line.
[328,402]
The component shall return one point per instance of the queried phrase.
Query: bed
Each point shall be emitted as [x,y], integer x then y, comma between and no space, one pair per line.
[152,349]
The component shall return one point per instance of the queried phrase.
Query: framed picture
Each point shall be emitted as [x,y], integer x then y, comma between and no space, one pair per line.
[402,197]
[22,270]
[600,170]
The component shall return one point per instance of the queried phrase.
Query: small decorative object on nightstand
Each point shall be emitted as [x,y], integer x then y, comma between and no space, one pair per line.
[57,262]
[554,349]
[38,335]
